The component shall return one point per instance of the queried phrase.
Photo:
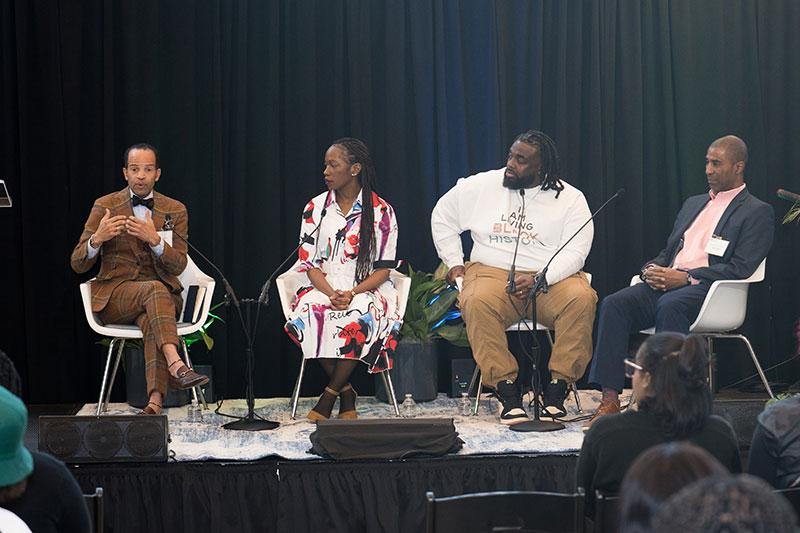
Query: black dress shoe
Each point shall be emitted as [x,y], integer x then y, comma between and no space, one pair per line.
[187,378]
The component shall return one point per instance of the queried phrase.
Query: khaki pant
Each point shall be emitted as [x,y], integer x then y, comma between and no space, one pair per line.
[568,308]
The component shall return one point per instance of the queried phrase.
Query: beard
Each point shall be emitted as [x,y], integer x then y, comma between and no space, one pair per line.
[515,182]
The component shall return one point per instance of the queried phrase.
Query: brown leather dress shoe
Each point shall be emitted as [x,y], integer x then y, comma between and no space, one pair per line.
[607,407]
[187,378]
[148,409]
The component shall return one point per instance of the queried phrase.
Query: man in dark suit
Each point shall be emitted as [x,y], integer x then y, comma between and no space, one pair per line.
[724,234]
[138,279]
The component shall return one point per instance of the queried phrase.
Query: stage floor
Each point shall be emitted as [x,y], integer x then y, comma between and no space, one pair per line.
[482,434]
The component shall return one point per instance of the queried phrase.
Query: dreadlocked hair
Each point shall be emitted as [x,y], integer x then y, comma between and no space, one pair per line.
[357,152]
[551,163]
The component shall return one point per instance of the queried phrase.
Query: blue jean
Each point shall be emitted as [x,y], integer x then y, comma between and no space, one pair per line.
[632,309]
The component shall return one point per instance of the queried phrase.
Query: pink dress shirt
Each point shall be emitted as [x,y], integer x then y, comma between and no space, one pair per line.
[693,254]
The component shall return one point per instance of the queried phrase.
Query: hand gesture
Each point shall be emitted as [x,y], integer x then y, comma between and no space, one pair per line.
[144,230]
[108,228]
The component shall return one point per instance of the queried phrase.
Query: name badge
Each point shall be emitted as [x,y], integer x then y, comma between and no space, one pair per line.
[167,236]
[716,246]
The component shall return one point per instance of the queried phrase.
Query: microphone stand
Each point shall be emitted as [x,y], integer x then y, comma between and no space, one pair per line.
[251,421]
[540,284]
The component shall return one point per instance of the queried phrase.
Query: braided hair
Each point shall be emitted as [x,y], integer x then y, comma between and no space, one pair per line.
[357,152]
[678,397]
[551,163]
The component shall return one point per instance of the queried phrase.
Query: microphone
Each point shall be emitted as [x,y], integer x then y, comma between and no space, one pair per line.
[263,298]
[541,281]
[511,286]
[169,225]
[783,194]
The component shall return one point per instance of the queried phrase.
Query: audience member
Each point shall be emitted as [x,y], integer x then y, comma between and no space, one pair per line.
[35,486]
[657,474]
[669,378]
[775,451]
[730,504]
[9,377]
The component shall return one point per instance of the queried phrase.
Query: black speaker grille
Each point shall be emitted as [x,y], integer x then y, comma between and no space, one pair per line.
[62,439]
[104,439]
[144,438]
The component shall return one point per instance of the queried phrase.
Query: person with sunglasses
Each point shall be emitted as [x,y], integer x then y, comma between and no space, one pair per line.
[670,387]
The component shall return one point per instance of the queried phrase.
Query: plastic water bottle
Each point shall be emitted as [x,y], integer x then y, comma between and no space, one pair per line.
[409,407]
[193,412]
[465,406]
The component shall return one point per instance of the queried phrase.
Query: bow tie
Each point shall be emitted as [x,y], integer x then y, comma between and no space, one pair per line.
[148,203]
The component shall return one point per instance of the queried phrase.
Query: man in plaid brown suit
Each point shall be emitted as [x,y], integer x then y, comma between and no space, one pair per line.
[138,280]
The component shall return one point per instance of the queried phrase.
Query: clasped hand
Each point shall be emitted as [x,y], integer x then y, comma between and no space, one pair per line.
[109,227]
[664,278]
[340,300]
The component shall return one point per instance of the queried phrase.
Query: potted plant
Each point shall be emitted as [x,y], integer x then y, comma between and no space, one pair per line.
[431,314]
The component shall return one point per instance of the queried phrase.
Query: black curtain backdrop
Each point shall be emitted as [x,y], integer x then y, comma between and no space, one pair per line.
[242,99]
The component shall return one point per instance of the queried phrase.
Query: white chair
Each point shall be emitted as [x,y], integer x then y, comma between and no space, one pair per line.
[523,326]
[119,333]
[287,285]
[723,311]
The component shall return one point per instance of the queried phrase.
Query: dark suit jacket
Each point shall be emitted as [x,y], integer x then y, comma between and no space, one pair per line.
[748,224]
[123,255]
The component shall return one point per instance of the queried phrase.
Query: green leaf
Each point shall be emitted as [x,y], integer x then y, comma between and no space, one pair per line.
[442,305]
[207,340]
[792,214]
[454,333]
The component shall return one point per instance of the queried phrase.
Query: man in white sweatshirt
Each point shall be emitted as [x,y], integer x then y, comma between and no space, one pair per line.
[526,203]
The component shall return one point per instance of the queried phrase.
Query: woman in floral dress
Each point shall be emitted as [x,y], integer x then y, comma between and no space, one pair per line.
[347,310]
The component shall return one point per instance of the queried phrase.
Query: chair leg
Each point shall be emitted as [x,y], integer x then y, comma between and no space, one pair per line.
[104,383]
[476,376]
[113,374]
[550,338]
[296,392]
[758,365]
[574,389]
[752,356]
[710,342]
[196,391]
[387,382]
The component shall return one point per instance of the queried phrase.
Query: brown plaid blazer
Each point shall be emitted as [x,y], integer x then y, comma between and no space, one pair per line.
[122,255]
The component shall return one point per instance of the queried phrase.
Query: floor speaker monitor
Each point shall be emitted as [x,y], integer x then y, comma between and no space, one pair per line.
[105,439]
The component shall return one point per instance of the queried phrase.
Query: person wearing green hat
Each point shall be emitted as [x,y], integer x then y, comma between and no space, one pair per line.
[16,462]
[35,486]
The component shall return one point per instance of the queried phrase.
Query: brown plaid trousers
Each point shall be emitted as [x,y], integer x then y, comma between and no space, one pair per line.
[151,306]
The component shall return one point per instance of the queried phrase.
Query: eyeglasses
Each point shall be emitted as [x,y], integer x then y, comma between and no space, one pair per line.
[631,367]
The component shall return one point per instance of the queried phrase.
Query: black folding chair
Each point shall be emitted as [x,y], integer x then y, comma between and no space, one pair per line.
[606,512]
[506,511]
[94,502]
[793,495]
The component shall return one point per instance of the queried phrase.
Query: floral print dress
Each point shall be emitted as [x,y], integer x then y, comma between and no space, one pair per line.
[368,330]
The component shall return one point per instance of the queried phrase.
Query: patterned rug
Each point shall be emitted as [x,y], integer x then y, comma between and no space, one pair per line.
[204,439]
